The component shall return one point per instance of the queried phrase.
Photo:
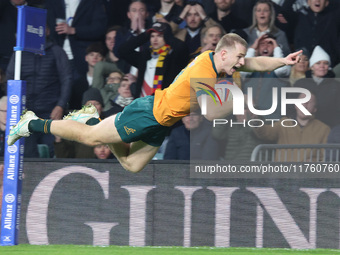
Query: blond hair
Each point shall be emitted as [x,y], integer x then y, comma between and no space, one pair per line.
[229,41]
[271,26]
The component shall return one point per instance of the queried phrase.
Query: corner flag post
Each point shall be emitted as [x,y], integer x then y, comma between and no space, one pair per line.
[30,37]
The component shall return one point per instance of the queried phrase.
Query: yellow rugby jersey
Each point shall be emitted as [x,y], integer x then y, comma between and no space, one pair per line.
[174,102]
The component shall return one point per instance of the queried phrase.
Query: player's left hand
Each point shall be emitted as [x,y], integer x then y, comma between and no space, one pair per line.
[293,58]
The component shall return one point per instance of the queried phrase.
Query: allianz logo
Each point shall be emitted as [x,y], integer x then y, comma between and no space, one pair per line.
[39,31]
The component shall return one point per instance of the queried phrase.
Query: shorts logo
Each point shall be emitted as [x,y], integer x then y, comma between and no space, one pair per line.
[129,130]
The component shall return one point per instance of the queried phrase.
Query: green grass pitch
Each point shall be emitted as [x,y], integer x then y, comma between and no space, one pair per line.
[25,249]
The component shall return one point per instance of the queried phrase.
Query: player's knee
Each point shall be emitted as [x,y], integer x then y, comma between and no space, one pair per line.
[132,167]
[89,140]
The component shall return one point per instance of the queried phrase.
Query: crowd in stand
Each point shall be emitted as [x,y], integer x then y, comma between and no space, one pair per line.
[109,52]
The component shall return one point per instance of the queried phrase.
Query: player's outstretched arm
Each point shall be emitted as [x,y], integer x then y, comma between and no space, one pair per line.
[262,64]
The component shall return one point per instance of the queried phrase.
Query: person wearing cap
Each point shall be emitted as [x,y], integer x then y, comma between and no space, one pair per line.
[321,79]
[93,96]
[157,65]
[135,134]
[71,149]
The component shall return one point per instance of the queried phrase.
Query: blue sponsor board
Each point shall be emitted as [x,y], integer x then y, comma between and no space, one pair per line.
[13,167]
[31,29]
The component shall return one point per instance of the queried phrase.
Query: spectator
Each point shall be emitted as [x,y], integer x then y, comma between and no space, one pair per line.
[193,140]
[85,23]
[115,101]
[71,149]
[49,81]
[286,16]
[298,71]
[238,142]
[102,152]
[263,23]
[196,19]
[111,62]
[320,25]
[110,90]
[167,12]
[137,24]
[210,37]
[3,120]
[110,41]
[138,15]
[307,131]
[326,88]
[8,28]
[225,16]
[93,96]
[262,83]
[156,70]
[101,73]
[94,54]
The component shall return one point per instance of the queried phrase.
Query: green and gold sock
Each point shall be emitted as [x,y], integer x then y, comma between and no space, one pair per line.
[40,125]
